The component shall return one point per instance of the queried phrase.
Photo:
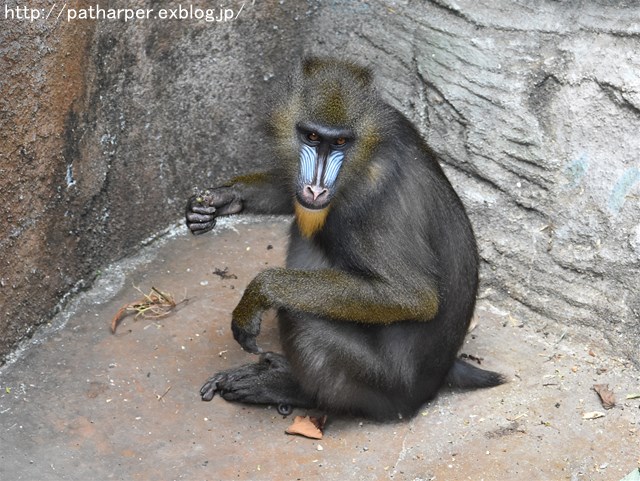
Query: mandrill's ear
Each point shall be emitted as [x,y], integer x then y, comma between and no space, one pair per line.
[312,66]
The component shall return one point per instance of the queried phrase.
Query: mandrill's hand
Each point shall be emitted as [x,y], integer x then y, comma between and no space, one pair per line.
[246,339]
[203,209]
[247,316]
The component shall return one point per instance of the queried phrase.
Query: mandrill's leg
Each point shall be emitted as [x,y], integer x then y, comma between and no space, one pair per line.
[268,381]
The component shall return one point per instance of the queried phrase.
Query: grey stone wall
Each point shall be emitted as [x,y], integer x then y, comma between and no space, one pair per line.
[534,108]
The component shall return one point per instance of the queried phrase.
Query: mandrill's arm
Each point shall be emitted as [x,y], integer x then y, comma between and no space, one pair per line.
[259,193]
[330,294]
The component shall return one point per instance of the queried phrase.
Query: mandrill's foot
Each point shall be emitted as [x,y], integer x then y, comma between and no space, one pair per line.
[268,381]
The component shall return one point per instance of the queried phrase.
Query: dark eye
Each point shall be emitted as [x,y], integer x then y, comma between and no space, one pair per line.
[341,141]
[313,137]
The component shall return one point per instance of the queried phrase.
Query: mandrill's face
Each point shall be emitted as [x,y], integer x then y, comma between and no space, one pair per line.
[324,133]
[322,151]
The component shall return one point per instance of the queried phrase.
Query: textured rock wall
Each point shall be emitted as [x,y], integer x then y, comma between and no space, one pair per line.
[534,108]
[41,82]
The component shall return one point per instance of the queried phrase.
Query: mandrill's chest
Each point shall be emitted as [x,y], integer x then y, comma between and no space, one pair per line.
[324,252]
[303,253]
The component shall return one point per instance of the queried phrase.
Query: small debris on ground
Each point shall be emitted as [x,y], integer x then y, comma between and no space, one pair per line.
[607,398]
[593,415]
[224,273]
[155,305]
[471,357]
[161,396]
[308,426]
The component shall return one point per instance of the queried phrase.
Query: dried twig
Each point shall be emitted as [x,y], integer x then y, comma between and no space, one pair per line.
[155,305]
[160,398]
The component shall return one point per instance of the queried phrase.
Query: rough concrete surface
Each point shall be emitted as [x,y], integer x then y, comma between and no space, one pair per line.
[534,108]
[82,403]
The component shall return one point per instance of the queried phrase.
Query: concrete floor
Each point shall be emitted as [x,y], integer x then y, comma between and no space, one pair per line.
[83,404]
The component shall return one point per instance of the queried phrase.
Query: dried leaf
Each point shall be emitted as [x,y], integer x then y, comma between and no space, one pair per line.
[307,426]
[593,415]
[634,395]
[607,398]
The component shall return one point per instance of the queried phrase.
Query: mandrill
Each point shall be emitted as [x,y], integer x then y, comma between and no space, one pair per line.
[382,267]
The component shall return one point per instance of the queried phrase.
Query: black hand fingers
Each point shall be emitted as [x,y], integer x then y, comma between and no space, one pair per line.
[220,201]
[199,218]
[201,209]
[232,207]
[198,228]
[217,197]
[195,207]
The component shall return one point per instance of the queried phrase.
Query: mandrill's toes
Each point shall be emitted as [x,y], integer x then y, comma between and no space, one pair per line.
[209,388]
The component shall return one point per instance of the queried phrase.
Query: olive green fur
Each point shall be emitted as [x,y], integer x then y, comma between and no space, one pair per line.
[333,294]
[255,178]
[335,93]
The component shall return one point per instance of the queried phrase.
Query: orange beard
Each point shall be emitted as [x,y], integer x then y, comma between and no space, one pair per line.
[310,221]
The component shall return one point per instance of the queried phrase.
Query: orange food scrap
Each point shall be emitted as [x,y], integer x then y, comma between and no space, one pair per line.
[307,426]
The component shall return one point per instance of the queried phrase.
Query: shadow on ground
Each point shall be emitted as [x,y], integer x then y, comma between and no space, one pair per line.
[83,403]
